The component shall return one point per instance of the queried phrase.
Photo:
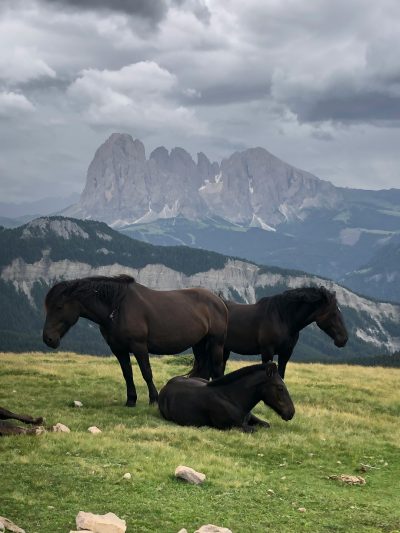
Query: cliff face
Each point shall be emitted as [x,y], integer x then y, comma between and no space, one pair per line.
[51,249]
[253,188]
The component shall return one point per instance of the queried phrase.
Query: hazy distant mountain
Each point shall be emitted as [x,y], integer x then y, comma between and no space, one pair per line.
[45,206]
[46,250]
[380,277]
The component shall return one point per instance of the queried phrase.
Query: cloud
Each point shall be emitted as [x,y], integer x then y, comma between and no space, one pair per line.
[12,103]
[306,79]
[153,10]
[21,64]
[141,95]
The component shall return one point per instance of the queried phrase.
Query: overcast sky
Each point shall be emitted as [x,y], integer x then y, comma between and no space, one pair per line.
[316,82]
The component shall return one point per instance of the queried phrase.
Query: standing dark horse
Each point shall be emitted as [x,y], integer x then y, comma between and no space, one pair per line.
[136,319]
[271,326]
[226,402]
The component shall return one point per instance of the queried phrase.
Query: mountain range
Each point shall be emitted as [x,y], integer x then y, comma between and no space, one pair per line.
[252,205]
[48,249]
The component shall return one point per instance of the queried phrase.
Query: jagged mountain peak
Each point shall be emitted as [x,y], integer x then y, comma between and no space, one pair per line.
[123,187]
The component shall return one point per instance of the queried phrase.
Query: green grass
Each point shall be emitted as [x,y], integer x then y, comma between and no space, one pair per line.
[346,414]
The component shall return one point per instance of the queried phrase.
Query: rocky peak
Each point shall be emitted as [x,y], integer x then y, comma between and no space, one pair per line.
[249,187]
[62,227]
[206,169]
[161,156]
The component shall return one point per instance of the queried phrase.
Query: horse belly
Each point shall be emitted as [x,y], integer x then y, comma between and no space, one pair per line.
[242,342]
[173,338]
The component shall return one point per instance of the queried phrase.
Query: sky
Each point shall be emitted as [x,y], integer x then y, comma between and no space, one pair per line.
[315,82]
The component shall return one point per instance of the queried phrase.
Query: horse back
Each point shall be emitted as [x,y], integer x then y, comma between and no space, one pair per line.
[183,400]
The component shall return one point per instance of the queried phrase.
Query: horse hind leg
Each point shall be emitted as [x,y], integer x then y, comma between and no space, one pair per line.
[201,364]
[215,349]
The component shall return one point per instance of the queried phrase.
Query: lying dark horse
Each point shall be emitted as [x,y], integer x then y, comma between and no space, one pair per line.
[138,320]
[6,429]
[272,325]
[226,402]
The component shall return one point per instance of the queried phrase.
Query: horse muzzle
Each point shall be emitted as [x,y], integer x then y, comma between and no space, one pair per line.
[288,415]
[340,342]
[52,342]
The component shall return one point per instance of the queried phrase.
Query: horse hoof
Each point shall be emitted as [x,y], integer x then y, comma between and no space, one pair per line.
[131,403]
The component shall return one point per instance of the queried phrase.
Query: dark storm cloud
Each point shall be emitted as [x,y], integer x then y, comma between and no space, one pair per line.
[370,106]
[152,10]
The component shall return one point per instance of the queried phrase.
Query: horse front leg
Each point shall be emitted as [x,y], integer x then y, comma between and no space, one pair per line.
[227,353]
[126,367]
[267,354]
[253,420]
[282,362]
[142,357]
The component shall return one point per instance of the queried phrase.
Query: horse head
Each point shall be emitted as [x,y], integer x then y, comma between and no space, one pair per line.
[62,312]
[330,319]
[275,393]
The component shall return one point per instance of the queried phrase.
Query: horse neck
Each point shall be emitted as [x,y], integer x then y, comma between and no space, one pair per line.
[247,390]
[299,314]
[95,310]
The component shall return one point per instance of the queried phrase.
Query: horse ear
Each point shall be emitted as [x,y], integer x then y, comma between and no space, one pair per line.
[271,369]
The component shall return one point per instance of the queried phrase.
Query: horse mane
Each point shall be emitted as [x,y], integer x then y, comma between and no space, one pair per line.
[109,289]
[237,374]
[304,294]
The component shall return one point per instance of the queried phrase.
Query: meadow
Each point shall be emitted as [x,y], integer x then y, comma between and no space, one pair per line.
[346,416]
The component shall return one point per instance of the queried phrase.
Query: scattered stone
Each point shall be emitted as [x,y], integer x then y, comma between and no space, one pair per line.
[339,462]
[6,524]
[183,530]
[188,474]
[107,523]
[128,475]
[350,480]
[210,528]
[39,430]
[301,509]
[94,430]
[271,492]
[77,403]
[61,428]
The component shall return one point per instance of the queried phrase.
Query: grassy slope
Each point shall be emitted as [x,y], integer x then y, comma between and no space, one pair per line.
[347,414]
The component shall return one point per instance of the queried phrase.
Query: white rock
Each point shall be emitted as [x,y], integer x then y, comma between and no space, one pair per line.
[94,429]
[128,475]
[210,528]
[183,530]
[61,428]
[77,403]
[188,474]
[107,523]
[9,526]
